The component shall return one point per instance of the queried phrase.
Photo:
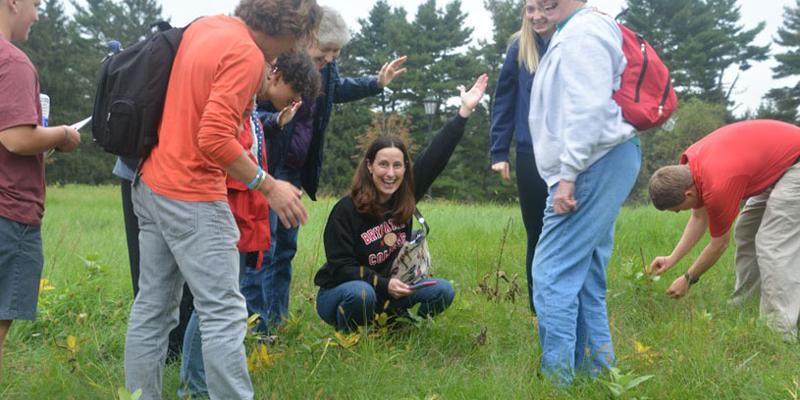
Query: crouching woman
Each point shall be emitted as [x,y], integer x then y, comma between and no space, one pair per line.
[366,229]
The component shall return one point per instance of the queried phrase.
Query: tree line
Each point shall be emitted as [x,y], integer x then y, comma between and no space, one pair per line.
[700,40]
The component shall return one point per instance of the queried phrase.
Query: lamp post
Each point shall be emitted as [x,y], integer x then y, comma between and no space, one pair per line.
[430,110]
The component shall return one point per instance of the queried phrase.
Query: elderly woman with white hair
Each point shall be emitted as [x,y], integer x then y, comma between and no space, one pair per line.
[295,155]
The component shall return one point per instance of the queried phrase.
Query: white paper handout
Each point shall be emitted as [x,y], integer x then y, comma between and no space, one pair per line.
[77,126]
[81,124]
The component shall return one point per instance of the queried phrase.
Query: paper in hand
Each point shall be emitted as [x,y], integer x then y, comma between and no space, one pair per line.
[77,126]
[81,124]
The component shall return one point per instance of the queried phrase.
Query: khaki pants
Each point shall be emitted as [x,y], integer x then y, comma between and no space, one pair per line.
[768,253]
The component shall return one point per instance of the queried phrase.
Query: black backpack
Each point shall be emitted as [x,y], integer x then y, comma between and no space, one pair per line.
[131,91]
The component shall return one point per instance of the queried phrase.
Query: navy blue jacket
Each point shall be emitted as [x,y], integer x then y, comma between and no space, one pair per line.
[335,90]
[512,99]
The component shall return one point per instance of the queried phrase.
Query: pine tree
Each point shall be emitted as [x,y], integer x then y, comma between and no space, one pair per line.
[700,40]
[783,103]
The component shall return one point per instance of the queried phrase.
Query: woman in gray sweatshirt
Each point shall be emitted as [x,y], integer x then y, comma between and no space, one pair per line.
[589,157]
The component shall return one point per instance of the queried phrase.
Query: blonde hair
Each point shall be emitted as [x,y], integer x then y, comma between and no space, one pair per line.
[528,55]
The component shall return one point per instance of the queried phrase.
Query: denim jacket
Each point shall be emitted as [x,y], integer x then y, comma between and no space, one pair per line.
[335,90]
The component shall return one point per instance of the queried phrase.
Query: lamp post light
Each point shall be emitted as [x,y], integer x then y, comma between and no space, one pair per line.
[430,110]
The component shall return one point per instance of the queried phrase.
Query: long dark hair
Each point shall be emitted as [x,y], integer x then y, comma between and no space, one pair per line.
[365,194]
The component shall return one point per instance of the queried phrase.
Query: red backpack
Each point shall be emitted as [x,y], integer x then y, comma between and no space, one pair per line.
[646,95]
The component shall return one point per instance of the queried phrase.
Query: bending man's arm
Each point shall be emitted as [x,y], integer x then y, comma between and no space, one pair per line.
[711,253]
[694,231]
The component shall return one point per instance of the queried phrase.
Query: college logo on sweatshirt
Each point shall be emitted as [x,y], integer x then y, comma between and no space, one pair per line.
[377,233]
[384,239]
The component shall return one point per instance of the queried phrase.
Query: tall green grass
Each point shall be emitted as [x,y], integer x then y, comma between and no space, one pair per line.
[696,348]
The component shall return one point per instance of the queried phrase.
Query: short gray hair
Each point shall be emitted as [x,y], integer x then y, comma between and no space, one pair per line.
[333,29]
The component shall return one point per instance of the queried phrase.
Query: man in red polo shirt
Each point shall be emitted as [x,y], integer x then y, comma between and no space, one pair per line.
[753,160]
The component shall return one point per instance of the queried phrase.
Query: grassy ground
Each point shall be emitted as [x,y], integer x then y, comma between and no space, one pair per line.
[480,348]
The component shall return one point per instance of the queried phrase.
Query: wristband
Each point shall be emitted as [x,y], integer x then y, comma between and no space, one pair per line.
[260,181]
[689,278]
[257,180]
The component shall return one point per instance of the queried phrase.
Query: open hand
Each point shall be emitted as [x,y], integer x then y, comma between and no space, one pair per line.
[287,114]
[471,98]
[391,70]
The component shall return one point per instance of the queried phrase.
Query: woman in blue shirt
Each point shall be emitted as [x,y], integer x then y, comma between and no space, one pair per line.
[510,119]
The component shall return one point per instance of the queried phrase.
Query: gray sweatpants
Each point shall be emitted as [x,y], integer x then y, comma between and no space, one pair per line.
[195,242]
[768,253]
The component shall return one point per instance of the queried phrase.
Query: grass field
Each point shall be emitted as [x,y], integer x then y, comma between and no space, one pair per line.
[695,348]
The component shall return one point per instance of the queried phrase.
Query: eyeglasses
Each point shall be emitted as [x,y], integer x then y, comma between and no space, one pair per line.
[272,68]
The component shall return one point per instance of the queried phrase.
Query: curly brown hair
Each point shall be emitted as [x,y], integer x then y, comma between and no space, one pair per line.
[300,72]
[298,18]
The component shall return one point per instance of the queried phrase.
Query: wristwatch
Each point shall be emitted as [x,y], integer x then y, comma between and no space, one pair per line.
[691,279]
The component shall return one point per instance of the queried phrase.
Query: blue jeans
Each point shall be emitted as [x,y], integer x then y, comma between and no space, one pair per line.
[267,289]
[354,303]
[569,268]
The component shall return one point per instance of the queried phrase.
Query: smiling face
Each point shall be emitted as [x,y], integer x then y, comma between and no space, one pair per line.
[558,10]
[324,53]
[535,15]
[387,172]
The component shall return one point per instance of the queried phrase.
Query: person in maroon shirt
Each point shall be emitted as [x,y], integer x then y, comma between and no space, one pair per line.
[23,142]
[752,160]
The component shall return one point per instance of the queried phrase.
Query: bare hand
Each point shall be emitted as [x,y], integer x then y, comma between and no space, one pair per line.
[284,199]
[660,265]
[391,70]
[398,289]
[71,140]
[287,114]
[471,98]
[502,168]
[564,198]
[679,288]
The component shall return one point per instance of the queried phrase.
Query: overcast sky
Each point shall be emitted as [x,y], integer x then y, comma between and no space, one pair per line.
[749,90]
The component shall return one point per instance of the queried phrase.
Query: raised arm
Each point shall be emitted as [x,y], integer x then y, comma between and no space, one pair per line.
[432,160]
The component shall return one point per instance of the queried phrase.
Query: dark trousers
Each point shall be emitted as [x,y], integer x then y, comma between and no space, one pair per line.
[132,235]
[532,198]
